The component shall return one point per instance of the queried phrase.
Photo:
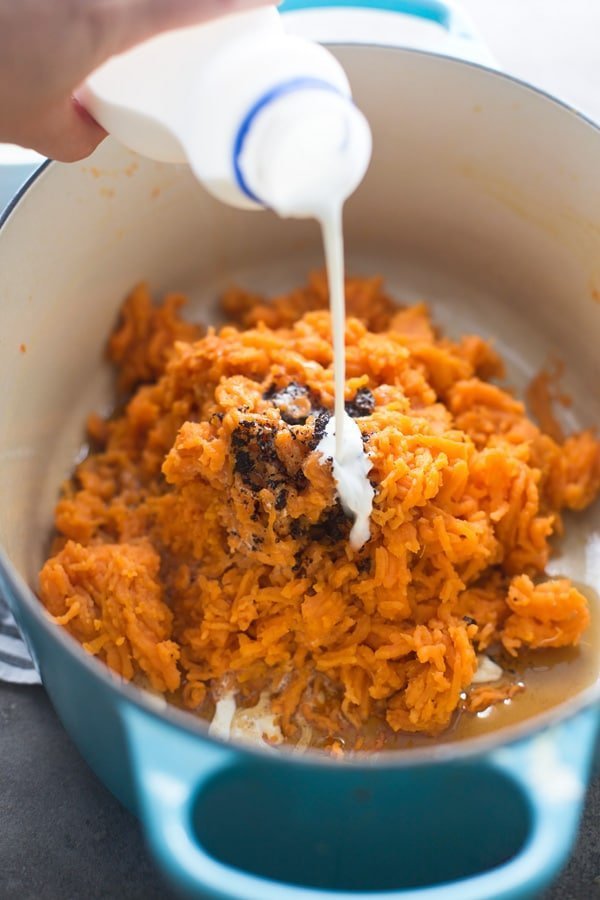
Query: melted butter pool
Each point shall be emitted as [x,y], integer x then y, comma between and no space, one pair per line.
[550,677]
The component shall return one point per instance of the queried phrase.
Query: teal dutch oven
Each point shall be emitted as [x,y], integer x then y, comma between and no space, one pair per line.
[483,197]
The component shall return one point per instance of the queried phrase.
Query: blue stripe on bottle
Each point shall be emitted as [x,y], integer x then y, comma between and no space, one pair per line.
[279,90]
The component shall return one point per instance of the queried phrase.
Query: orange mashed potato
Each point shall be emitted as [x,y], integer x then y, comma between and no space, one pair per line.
[201,547]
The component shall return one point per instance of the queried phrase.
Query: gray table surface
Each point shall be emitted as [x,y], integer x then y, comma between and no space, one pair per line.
[62,835]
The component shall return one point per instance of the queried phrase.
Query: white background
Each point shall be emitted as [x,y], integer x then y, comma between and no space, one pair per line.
[553,44]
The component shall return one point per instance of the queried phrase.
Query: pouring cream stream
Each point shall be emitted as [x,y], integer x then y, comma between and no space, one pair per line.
[264,119]
[342,441]
[305,157]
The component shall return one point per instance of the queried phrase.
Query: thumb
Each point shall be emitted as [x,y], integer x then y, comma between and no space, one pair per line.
[64,132]
[67,131]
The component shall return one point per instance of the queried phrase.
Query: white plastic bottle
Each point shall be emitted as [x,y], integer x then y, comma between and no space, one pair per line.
[265,119]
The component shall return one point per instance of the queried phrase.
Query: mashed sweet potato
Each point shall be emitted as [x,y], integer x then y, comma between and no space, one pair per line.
[201,546]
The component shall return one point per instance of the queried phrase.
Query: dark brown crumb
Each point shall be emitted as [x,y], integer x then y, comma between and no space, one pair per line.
[299,567]
[296,528]
[321,420]
[253,450]
[294,402]
[243,463]
[300,481]
[332,527]
[362,405]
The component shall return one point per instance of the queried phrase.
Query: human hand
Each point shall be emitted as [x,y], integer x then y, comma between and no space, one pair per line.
[48,47]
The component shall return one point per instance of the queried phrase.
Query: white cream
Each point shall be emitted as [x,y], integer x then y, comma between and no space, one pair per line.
[351,466]
[342,441]
[331,226]
[255,725]
[487,670]
[220,726]
[327,150]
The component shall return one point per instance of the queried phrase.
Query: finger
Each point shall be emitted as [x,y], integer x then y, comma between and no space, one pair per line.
[127,22]
[65,133]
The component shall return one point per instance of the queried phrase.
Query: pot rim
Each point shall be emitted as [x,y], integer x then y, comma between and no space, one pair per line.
[158,708]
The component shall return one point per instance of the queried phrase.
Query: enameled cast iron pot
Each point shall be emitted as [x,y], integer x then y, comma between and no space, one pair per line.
[484,197]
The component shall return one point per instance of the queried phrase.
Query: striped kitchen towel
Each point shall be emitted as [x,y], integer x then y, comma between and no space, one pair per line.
[16,665]
[15,662]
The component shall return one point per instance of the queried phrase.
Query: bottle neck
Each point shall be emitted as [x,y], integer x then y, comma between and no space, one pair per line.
[301,145]
[273,95]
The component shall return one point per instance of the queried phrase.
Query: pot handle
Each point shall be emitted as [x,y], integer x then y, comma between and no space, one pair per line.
[332,24]
[173,770]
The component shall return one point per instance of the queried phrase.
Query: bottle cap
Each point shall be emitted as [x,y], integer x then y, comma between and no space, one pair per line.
[302,149]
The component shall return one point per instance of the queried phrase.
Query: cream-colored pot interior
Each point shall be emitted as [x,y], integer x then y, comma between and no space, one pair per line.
[483,197]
